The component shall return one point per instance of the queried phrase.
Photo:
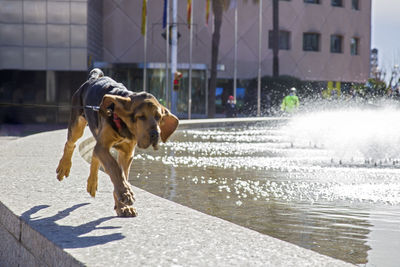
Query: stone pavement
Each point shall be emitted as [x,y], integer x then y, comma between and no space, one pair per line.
[44,222]
[5,139]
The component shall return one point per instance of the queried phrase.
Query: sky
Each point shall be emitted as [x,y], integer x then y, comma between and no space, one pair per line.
[386,32]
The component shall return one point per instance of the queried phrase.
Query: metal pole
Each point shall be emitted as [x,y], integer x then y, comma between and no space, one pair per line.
[259,60]
[235,54]
[145,57]
[174,53]
[275,45]
[167,81]
[190,64]
[207,85]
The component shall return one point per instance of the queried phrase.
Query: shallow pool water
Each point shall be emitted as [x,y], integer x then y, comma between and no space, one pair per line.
[286,185]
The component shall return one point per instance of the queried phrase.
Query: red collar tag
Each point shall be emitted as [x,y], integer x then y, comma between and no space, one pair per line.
[117,121]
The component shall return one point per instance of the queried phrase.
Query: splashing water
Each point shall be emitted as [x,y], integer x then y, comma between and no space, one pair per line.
[349,134]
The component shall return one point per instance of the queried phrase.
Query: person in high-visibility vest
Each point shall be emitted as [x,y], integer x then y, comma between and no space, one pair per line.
[290,102]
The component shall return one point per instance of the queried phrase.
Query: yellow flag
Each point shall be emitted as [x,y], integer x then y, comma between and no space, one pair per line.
[207,11]
[144,16]
[189,13]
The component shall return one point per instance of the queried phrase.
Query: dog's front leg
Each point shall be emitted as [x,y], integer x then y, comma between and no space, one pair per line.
[125,156]
[92,181]
[123,194]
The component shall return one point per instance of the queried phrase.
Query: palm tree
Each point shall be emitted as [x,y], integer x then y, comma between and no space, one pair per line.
[217,8]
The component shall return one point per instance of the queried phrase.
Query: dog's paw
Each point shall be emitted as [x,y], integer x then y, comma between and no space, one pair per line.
[126,211]
[63,169]
[127,198]
[131,194]
[91,187]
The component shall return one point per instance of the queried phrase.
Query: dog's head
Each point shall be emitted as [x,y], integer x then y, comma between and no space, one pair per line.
[146,119]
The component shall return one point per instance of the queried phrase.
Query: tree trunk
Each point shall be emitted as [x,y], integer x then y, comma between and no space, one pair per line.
[218,8]
[275,34]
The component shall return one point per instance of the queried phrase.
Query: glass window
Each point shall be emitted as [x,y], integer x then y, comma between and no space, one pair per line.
[355,4]
[312,1]
[354,46]
[311,41]
[336,44]
[284,40]
[337,3]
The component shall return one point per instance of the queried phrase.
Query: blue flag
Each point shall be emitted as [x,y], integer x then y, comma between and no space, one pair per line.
[164,21]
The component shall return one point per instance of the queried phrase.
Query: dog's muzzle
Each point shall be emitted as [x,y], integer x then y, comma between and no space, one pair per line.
[154,138]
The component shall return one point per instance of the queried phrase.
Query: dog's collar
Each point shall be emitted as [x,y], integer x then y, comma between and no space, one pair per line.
[117,121]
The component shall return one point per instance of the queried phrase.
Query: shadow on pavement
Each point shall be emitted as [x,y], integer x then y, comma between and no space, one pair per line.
[70,236]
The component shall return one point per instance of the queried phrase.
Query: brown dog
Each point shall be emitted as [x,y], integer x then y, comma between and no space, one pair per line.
[117,118]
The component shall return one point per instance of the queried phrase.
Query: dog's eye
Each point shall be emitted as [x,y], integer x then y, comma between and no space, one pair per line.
[142,118]
[157,117]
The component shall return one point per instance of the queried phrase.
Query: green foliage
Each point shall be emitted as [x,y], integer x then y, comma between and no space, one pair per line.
[372,88]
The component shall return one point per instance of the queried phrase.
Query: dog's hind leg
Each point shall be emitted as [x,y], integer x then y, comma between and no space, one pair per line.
[75,131]
[93,176]
[76,127]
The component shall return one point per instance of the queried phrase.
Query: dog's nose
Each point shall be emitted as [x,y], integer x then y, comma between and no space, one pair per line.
[154,135]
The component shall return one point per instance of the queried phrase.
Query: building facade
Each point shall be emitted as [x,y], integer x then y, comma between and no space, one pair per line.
[47,46]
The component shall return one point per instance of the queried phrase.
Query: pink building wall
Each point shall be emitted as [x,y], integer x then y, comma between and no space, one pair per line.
[123,42]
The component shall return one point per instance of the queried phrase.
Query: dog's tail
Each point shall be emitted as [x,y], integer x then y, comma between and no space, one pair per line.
[95,74]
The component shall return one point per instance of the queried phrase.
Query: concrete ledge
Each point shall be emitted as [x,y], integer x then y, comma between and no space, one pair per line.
[44,222]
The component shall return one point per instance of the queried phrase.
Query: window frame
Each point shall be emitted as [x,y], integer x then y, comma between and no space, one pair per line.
[282,46]
[315,2]
[355,50]
[335,4]
[355,7]
[333,44]
[318,41]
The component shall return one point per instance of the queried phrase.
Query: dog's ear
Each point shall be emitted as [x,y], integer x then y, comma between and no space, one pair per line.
[120,104]
[168,124]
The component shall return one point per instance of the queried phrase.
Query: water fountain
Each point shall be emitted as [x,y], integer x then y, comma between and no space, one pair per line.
[328,181]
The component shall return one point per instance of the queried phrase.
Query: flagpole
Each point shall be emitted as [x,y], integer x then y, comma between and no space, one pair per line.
[174,53]
[190,62]
[259,60]
[167,93]
[235,55]
[145,52]
[145,62]
[207,70]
